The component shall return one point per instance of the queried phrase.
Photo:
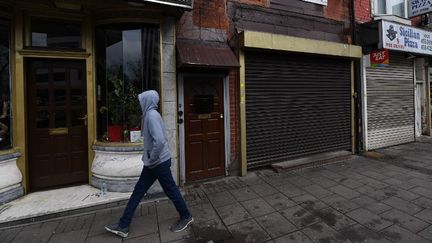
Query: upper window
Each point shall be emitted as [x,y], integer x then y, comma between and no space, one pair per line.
[391,7]
[128,62]
[5,114]
[55,34]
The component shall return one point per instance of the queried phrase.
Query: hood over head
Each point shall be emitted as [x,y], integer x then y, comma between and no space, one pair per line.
[148,100]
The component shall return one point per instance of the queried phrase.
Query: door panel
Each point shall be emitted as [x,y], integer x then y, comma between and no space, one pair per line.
[57,137]
[204,128]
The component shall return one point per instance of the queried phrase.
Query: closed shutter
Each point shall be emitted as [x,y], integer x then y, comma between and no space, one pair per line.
[390,103]
[295,106]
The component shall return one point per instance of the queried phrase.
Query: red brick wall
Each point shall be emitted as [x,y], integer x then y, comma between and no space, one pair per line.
[363,11]
[210,14]
[337,10]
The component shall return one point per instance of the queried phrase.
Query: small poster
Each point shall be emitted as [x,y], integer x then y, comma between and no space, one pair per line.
[135,136]
[379,58]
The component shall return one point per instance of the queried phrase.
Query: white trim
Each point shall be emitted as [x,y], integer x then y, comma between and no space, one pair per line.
[364,103]
[182,149]
[227,127]
[227,131]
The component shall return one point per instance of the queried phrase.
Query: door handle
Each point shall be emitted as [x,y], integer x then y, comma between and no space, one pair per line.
[84,118]
[221,116]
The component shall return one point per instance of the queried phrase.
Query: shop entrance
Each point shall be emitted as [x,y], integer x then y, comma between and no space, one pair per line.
[204,127]
[57,123]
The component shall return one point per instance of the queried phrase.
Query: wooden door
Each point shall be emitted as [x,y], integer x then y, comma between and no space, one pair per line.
[204,128]
[57,123]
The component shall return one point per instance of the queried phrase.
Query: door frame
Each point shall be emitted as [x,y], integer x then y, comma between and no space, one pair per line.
[226,110]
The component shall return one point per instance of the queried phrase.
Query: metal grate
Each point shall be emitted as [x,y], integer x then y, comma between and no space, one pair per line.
[390,103]
[295,106]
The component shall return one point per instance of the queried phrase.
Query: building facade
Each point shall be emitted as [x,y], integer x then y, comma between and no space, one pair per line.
[395,73]
[70,75]
[244,84]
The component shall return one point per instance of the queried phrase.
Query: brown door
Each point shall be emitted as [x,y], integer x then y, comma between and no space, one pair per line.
[57,129]
[204,128]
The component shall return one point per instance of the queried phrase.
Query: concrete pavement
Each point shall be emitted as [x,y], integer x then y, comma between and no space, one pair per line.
[357,200]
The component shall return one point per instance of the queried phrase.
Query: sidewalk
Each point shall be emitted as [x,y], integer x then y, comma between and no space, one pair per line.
[358,200]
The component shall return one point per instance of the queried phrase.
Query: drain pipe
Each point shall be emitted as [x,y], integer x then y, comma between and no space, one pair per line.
[357,84]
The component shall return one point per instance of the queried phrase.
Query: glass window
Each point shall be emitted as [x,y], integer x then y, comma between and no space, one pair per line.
[128,62]
[55,34]
[5,114]
[391,7]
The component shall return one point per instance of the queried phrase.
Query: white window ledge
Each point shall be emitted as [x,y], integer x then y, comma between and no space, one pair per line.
[392,18]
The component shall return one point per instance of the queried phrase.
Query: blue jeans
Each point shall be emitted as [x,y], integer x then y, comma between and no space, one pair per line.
[162,173]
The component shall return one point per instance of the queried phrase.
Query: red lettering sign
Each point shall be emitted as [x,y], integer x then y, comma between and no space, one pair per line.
[379,58]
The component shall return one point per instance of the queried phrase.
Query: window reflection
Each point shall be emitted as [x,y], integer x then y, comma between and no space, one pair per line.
[56,34]
[128,62]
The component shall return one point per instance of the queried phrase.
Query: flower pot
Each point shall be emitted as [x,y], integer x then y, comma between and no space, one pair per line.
[115,133]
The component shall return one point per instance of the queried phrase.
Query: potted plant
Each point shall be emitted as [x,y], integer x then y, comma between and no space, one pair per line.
[123,110]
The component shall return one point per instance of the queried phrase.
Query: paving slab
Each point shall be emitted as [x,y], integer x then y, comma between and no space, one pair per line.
[279,201]
[233,213]
[360,234]
[276,225]
[405,220]
[248,231]
[296,237]
[300,217]
[340,203]
[321,232]
[213,230]
[398,234]
[369,219]
[257,207]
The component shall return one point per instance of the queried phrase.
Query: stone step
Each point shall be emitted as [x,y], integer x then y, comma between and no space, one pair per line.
[313,160]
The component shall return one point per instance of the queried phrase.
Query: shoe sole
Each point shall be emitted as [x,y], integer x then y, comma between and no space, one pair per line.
[116,232]
[179,230]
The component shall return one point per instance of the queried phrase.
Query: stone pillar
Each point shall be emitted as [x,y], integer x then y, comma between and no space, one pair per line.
[169,91]
[10,178]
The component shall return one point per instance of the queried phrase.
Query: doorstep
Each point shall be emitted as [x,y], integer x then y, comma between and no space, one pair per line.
[45,205]
[312,161]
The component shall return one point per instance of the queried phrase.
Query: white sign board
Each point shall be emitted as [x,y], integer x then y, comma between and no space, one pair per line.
[321,2]
[419,7]
[405,38]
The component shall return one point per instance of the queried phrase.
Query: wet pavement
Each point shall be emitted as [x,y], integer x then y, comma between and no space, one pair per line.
[378,199]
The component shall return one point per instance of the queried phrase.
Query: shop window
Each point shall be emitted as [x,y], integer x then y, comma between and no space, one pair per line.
[5,113]
[128,63]
[391,7]
[48,33]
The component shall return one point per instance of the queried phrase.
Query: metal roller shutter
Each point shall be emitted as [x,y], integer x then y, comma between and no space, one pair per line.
[295,106]
[390,103]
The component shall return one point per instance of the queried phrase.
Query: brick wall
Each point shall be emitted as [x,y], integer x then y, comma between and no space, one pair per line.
[363,11]
[337,10]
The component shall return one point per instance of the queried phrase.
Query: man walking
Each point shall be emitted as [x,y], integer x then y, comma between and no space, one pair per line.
[157,163]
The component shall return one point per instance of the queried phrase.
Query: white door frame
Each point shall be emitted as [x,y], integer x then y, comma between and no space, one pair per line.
[226,110]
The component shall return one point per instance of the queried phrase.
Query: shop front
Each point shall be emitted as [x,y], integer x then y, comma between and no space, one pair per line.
[70,74]
[395,83]
[297,97]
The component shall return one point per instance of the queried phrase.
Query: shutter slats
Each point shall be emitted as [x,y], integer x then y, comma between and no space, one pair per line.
[390,103]
[295,106]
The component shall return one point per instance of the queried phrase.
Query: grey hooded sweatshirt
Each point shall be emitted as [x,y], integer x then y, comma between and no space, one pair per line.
[153,130]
